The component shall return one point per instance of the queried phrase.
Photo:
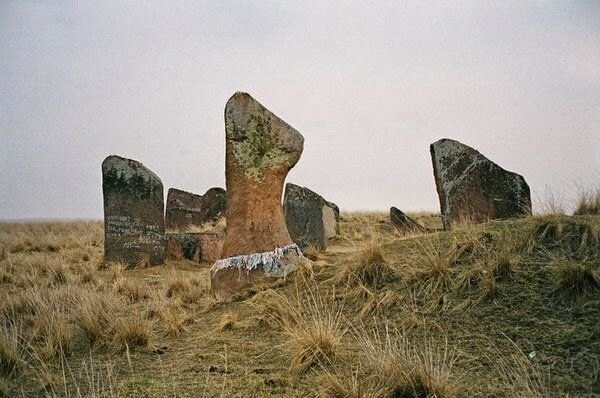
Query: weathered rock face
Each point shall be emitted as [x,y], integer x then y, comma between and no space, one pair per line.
[133,212]
[186,210]
[332,226]
[404,223]
[472,187]
[260,151]
[214,204]
[197,247]
[310,219]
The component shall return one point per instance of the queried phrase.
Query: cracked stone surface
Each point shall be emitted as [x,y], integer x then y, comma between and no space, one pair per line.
[473,188]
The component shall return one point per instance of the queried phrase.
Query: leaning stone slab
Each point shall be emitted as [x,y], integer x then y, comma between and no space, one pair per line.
[310,219]
[133,212]
[186,210]
[260,149]
[473,188]
[404,223]
[197,247]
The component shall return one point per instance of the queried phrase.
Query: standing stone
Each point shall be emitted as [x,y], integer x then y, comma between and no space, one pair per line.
[186,210]
[472,187]
[404,223]
[260,150]
[310,219]
[133,212]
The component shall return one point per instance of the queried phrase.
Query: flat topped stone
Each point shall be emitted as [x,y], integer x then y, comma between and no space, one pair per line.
[260,149]
[186,210]
[310,219]
[133,212]
[473,188]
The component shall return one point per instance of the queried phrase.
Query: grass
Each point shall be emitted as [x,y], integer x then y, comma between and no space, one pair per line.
[506,308]
[588,203]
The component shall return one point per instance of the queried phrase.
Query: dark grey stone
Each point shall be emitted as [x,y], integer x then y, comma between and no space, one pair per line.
[473,188]
[133,212]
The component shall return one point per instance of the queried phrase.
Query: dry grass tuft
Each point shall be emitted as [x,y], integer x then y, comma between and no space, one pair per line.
[227,322]
[588,203]
[341,385]
[177,286]
[400,368]
[10,349]
[313,253]
[368,268]
[133,291]
[95,315]
[131,333]
[576,279]
[315,331]
[576,238]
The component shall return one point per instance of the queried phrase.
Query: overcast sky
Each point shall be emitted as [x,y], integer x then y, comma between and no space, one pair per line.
[369,84]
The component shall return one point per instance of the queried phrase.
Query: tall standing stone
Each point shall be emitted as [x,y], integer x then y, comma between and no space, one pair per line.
[134,227]
[472,187]
[310,219]
[187,210]
[260,150]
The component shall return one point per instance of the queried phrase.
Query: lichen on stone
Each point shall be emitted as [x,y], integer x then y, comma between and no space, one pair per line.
[259,140]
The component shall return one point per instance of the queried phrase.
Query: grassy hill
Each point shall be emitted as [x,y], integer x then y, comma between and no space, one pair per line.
[508,308]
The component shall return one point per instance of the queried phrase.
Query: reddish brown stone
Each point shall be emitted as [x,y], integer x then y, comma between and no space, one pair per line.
[260,151]
[473,188]
[211,246]
[187,210]
[198,247]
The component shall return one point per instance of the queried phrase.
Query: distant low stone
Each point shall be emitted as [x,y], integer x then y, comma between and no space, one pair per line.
[310,219]
[260,149]
[473,188]
[133,212]
[404,223]
[186,210]
[197,247]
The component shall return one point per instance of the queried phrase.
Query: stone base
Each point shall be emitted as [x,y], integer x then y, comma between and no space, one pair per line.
[197,247]
[233,276]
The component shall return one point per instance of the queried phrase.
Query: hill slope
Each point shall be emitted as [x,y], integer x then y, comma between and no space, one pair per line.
[507,308]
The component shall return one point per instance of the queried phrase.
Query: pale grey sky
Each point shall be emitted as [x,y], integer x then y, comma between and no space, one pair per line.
[370,84]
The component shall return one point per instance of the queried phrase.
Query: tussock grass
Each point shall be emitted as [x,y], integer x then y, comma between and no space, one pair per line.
[314,327]
[368,268]
[577,237]
[10,349]
[227,322]
[131,332]
[401,368]
[588,202]
[95,315]
[576,279]
[313,253]
[133,291]
[177,286]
